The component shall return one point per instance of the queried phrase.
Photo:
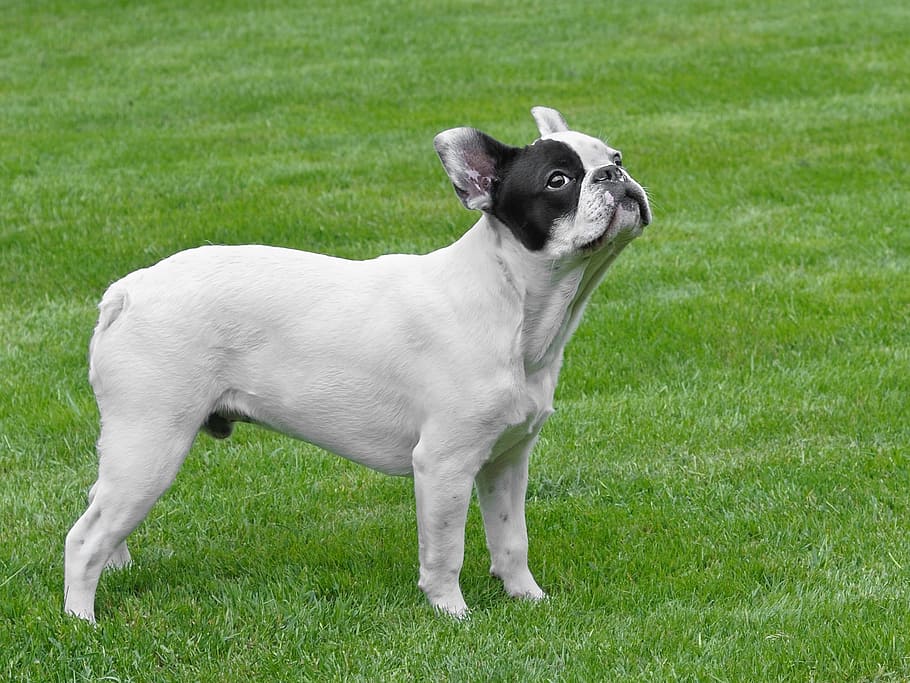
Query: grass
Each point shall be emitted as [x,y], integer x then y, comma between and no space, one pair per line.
[723,493]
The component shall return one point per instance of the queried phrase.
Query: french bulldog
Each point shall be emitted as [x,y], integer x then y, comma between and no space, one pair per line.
[439,366]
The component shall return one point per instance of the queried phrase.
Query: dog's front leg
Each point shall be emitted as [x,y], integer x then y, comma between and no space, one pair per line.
[442,486]
[501,488]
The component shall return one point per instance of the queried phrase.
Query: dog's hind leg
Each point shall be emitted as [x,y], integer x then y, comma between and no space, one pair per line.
[121,556]
[137,464]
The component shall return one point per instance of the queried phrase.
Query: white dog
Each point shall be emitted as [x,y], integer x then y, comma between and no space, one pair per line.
[440,366]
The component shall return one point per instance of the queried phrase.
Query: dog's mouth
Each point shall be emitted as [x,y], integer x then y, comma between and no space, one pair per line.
[640,197]
[630,215]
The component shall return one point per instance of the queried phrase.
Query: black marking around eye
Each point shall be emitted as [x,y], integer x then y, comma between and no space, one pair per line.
[522,199]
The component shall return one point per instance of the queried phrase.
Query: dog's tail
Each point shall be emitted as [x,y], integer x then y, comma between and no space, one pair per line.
[114,302]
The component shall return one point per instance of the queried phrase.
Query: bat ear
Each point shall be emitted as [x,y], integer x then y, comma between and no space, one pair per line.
[474,162]
[549,121]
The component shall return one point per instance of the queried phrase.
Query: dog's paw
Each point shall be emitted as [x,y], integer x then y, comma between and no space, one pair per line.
[519,583]
[87,615]
[532,594]
[457,609]
[120,558]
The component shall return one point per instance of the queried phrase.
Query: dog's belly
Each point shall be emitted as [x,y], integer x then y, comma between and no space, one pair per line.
[352,419]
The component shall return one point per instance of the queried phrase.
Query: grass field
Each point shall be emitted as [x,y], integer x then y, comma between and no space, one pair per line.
[724,492]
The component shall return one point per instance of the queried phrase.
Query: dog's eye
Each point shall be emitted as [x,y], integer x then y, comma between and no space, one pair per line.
[558,180]
[617,159]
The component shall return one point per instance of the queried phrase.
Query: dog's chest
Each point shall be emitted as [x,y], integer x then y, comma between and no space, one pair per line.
[536,405]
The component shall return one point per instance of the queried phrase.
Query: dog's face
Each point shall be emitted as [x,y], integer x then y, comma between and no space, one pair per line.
[566,195]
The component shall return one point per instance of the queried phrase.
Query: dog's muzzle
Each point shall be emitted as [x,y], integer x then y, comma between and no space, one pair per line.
[624,189]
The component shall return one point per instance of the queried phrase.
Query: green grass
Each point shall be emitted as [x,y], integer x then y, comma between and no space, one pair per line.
[724,492]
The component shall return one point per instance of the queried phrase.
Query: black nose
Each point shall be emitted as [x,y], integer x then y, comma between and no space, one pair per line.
[610,173]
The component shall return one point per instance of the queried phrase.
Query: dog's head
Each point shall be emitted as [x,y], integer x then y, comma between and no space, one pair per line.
[565,195]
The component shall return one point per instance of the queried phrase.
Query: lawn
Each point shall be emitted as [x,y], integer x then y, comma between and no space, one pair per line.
[724,491]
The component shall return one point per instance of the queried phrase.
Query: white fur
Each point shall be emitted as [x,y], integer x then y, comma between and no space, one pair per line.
[441,366]
[548,120]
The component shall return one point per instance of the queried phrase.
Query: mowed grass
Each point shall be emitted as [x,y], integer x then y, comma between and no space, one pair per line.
[724,492]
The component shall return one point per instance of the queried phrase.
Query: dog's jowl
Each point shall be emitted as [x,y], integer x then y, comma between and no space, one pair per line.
[440,366]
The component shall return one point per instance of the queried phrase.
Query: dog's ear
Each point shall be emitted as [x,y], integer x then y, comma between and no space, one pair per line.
[549,120]
[473,161]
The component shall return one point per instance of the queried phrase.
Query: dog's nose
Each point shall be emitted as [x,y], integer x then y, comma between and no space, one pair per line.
[612,173]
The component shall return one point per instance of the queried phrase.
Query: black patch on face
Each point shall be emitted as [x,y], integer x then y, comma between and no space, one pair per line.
[522,199]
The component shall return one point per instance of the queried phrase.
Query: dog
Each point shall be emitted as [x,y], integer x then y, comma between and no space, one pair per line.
[439,366]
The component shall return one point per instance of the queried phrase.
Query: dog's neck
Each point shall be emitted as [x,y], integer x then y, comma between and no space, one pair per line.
[552,293]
